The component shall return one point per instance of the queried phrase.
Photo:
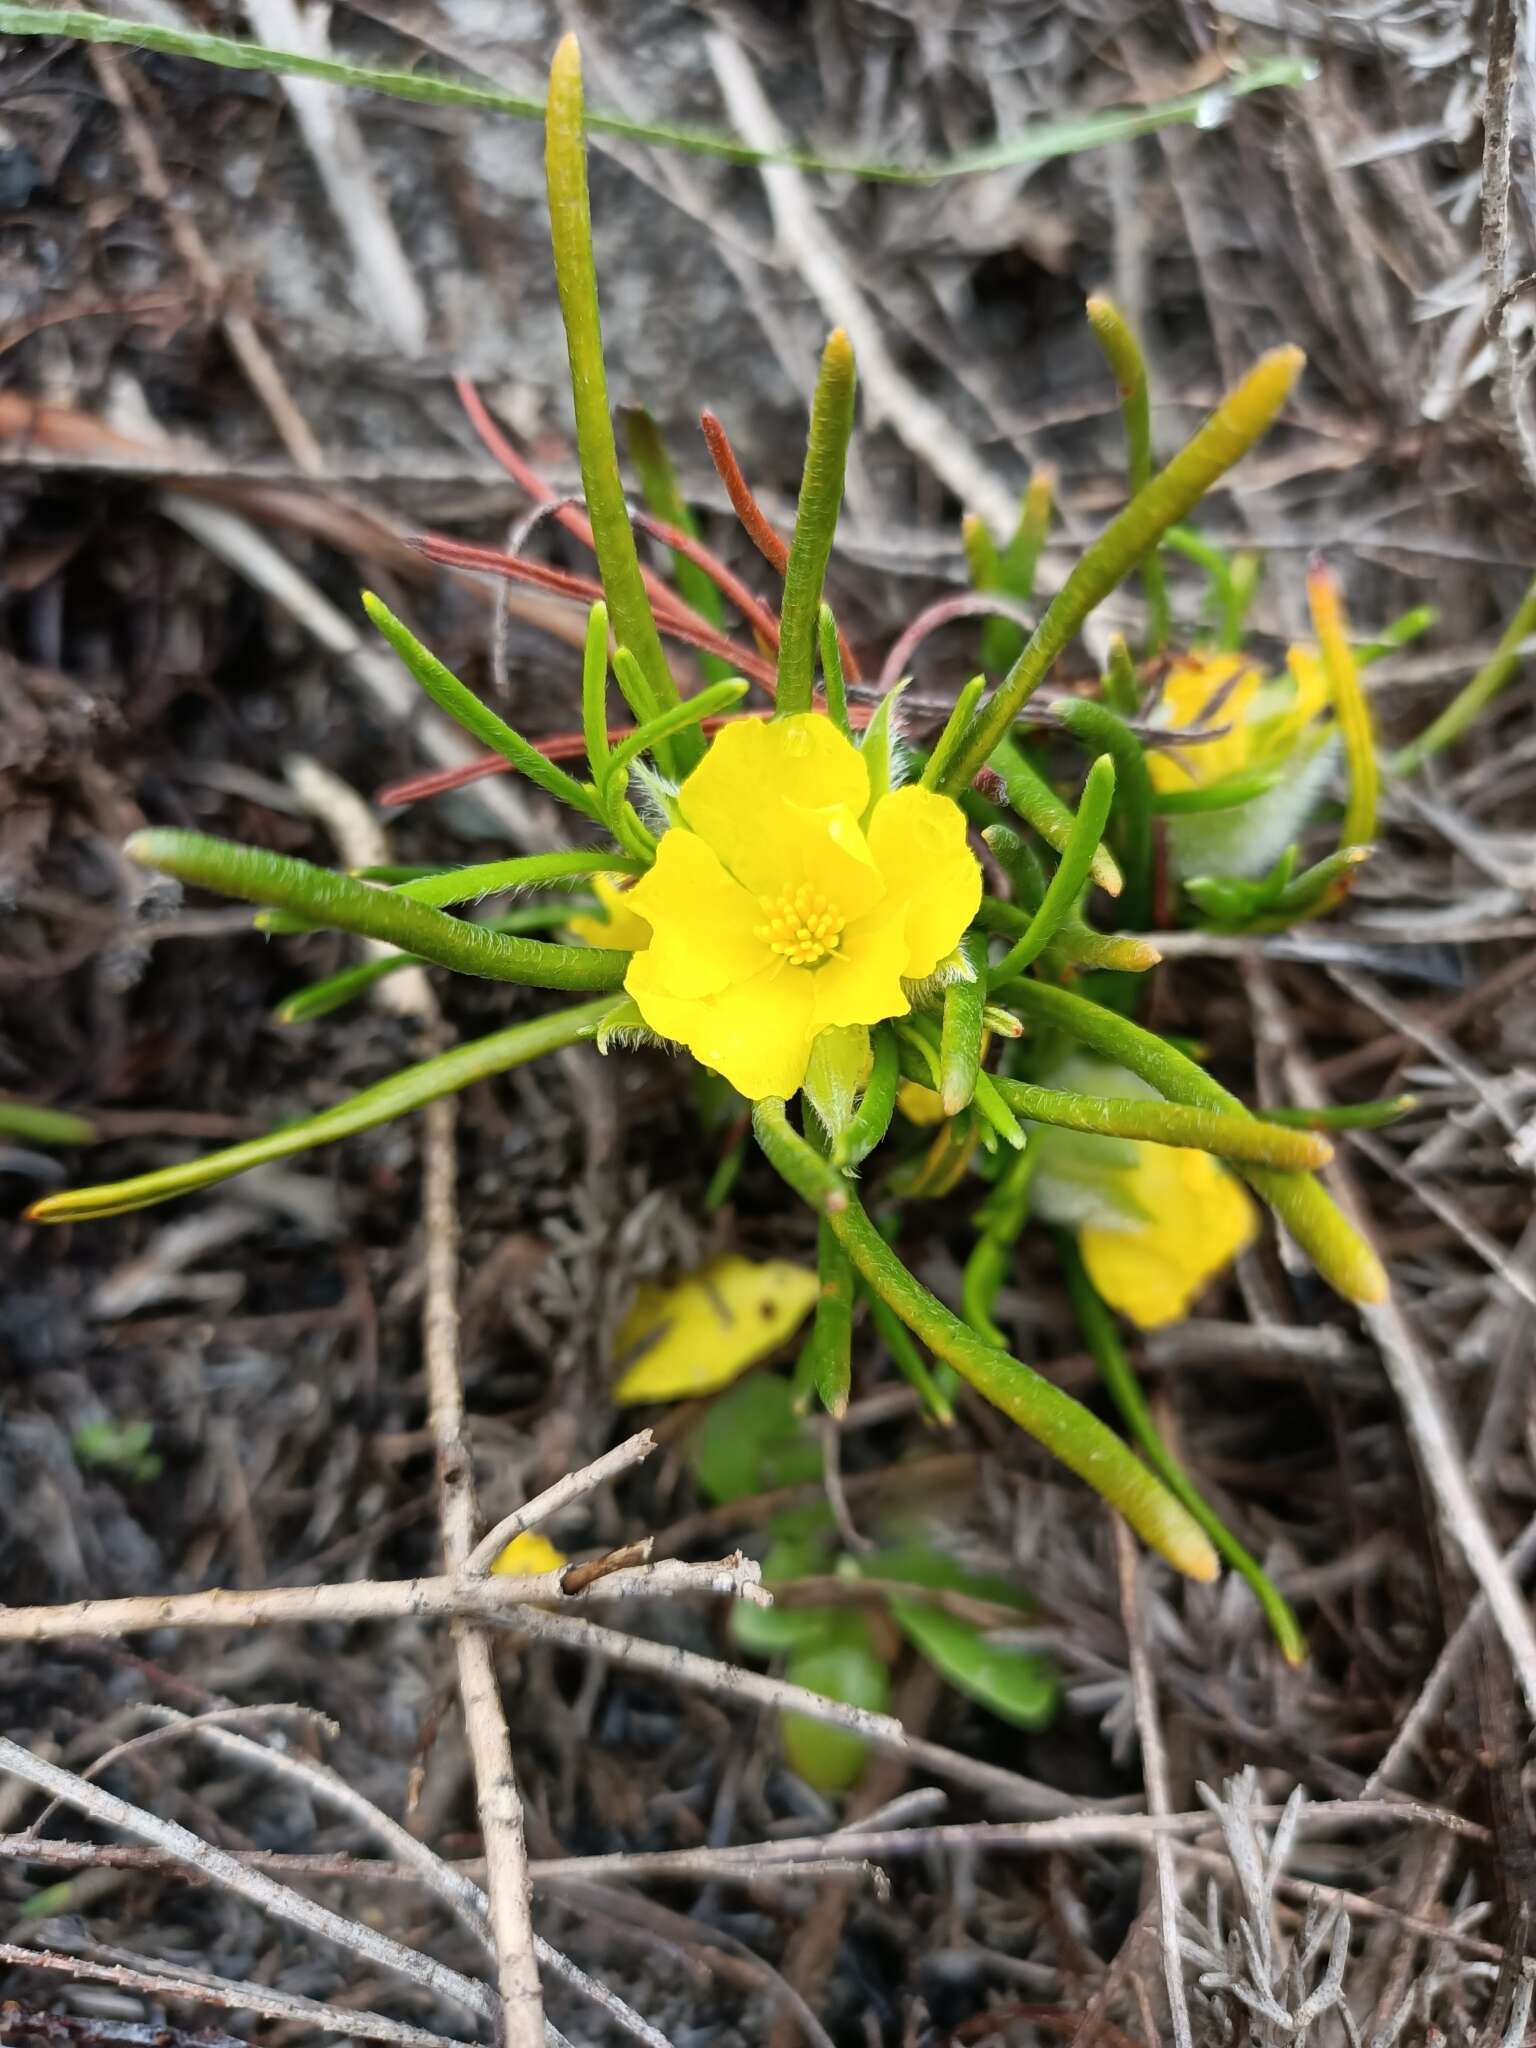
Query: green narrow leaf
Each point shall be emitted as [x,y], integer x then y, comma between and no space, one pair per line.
[908,1360]
[1067,1429]
[832,671]
[1103,1340]
[1016,1685]
[961,1031]
[1039,806]
[878,747]
[570,225]
[1071,876]
[1253,1140]
[1241,419]
[872,1119]
[832,1336]
[1100,731]
[331,900]
[1469,703]
[814,1179]
[706,703]
[821,497]
[408,1090]
[594,691]
[1344,1116]
[36,1125]
[955,726]
[524,871]
[465,708]
[321,998]
[1122,685]
[1122,351]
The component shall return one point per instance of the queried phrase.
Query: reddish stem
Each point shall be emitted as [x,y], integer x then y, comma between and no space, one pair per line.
[769,543]
[969,604]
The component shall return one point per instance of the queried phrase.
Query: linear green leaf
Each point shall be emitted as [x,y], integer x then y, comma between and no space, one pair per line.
[613,538]
[1470,702]
[1053,1418]
[810,548]
[523,871]
[466,709]
[1101,732]
[1122,351]
[446,1074]
[961,1032]
[1253,1140]
[330,900]
[1238,422]
[658,480]
[321,998]
[1103,1340]
[1071,876]
[1038,805]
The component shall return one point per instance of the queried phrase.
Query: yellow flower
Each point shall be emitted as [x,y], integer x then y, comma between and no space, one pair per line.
[1198,1220]
[703,1333]
[786,902]
[528,1556]
[620,927]
[1156,1223]
[1276,730]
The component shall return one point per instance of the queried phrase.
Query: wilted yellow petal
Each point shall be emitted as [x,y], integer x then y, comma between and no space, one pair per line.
[622,927]
[691,1339]
[529,1556]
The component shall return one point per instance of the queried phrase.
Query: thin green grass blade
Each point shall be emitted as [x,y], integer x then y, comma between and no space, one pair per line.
[1038,144]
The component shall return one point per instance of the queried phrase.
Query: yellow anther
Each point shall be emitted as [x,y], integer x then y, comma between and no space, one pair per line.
[802,927]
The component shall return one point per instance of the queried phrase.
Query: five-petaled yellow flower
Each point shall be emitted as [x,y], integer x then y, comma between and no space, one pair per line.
[788,900]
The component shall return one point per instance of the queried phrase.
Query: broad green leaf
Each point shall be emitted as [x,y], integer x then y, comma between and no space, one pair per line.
[845,1668]
[1016,1685]
[751,1440]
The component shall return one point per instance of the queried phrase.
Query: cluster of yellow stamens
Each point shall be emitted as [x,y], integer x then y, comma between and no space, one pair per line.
[802,926]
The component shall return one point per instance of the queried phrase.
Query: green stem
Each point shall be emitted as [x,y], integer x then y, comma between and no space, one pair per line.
[466,709]
[613,539]
[814,1179]
[1471,701]
[337,902]
[1123,353]
[1340,1254]
[1098,729]
[1103,1340]
[1240,420]
[821,497]
[1071,876]
[446,1074]
[1053,1418]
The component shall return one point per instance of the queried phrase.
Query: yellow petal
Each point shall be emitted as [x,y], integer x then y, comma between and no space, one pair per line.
[861,982]
[528,1556]
[622,927]
[757,1033]
[919,845]
[703,925]
[1192,685]
[748,796]
[704,1332]
[920,1105]
[1198,1220]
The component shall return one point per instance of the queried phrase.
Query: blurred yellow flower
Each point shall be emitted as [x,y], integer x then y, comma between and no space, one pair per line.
[704,1332]
[528,1556]
[620,927]
[1277,736]
[786,902]
[1155,1223]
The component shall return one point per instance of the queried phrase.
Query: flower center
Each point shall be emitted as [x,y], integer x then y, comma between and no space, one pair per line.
[802,926]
